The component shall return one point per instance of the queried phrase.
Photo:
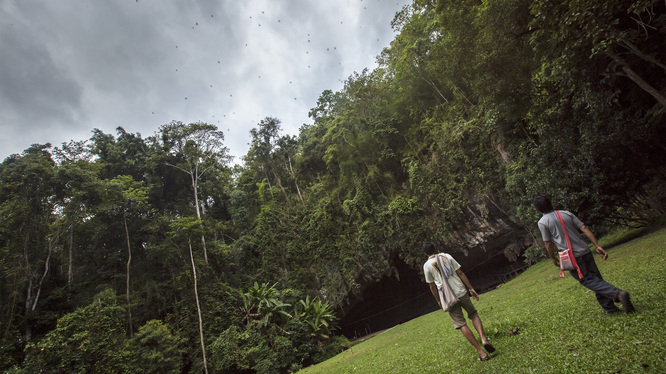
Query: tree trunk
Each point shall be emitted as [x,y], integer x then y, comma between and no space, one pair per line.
[194,175]
[129,261]
[631,74]
[279,183]
[433,85]
[28,295]
[295,182]
[195,187]
[12,307]
[634,49]
[46,270]
[268,180]
[196,296]
[70,271]
[28,313]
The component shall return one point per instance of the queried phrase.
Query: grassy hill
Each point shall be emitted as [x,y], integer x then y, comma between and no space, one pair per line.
[561,327]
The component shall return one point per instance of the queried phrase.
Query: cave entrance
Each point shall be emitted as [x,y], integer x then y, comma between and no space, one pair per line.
[389,302]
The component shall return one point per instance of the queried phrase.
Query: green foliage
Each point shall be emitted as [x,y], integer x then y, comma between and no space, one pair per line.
[317,315]
[84,341]
[270,339]
[154,349]
[533,255]
[11,350]
[239,350]
[185,227]
[132,191]
[263,304]
[194,145]
[92,340]
[591,127]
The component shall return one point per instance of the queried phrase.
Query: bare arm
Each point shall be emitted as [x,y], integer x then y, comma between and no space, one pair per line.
[550,248]
[463,278]
[433,289]
[590,236]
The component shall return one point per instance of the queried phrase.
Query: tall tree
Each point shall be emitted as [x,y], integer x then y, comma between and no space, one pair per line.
[624,37]
[195,149]
[77,181]
[126,197]
[27,197]
[182,230]
[260,154]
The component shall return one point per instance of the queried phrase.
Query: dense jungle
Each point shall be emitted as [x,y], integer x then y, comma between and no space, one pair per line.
[161,254]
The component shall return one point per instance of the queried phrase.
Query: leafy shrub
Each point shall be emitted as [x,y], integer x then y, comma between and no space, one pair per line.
[334,346]
[154,349]
[317,315]
[275,337]
[239,349]
[11,349]
[533,255]
[84,341]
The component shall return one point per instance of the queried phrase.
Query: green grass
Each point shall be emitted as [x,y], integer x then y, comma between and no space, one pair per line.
[621,236]
[562,328]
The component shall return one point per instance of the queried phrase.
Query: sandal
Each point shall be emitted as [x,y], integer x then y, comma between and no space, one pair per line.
[481,358]
[489,348]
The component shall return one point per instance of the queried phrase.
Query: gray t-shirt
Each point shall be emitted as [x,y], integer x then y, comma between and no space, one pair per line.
[551,231]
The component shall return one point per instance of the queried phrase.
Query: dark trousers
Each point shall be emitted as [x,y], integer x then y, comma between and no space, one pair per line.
[605,292]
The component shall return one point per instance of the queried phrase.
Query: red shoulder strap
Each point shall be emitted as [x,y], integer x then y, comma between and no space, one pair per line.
[573,258]
[564,229]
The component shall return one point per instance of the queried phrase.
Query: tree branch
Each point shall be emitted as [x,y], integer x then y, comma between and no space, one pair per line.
[179,168]
[631,74]
[634,49]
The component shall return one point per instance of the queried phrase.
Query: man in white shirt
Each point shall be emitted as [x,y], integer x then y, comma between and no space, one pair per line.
[459,285]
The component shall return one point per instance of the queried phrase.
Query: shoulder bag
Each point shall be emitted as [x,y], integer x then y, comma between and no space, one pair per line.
[567,258]
[446,296]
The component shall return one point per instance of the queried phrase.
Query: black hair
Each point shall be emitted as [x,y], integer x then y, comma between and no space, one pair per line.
[542,204]
[429,248]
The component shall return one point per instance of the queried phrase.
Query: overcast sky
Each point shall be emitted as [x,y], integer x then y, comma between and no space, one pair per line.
[67,67]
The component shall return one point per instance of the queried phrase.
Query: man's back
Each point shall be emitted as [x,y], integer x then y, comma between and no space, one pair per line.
[551,230]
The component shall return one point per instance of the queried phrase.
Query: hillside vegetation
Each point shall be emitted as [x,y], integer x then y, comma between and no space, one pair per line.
[560,326]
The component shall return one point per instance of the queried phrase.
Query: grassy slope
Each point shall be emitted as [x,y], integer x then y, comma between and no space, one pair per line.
[562,327]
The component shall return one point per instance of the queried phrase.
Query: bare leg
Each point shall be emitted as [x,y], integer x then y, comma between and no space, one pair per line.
[472,340]
[478,326]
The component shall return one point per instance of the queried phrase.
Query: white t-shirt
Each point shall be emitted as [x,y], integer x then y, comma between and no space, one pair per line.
[432,274]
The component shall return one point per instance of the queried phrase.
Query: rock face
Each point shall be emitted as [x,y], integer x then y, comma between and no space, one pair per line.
[489,254]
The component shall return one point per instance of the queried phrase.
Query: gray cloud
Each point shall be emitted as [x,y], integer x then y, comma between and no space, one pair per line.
[34,89]
[68,67]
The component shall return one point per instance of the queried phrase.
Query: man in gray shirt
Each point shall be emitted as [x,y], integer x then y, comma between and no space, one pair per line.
[554,238]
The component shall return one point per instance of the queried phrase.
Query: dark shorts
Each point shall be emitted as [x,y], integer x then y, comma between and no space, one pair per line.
[456,312]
